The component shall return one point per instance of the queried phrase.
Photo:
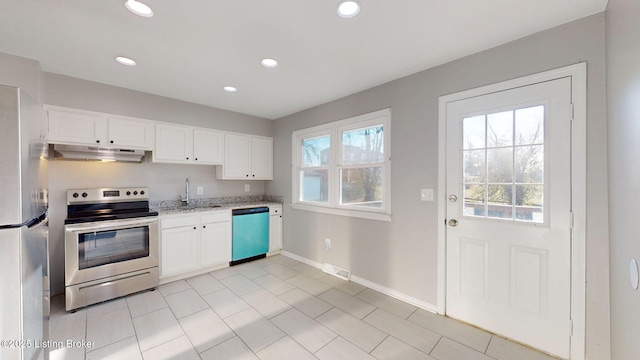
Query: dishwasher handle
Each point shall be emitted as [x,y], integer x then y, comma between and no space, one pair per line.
[247,211]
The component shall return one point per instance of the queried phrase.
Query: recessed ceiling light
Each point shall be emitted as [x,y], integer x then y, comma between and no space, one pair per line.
[348,8]
[270,63]
[125,61]
[138,8]
[230,89]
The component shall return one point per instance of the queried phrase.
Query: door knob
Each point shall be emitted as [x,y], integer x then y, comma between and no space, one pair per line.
[453,222]
[453,198]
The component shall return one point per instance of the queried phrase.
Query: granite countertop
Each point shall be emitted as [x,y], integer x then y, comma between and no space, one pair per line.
[173,207]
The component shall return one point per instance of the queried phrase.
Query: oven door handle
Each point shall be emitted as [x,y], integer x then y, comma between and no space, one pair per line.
[110,224]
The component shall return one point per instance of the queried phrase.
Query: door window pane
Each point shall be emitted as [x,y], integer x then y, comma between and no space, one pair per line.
[474,166]
[361,186]
[500,129]
[500,201]
[530,164]
[500,165]
[529,202]
[530,125]
[363,146]
[474,136]
[474,200]
[314,185]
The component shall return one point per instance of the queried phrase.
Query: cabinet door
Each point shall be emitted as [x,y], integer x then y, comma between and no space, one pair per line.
[237,164]
[275,232]
[174,144]
[130,133]
[76,128]
[178,250]
[262,158]
[216,243]
[208,147]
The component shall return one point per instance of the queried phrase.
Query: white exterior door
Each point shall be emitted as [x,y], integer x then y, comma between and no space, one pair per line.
[508,214]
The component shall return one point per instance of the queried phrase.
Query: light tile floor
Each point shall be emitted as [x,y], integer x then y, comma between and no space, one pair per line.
[274,308]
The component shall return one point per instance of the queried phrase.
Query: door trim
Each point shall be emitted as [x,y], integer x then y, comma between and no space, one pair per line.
[578,75]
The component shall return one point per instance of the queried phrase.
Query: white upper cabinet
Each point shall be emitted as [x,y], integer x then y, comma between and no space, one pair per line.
[188,145]
[247,157]
[78,127]
[129,132]
[208,146]
[174,144]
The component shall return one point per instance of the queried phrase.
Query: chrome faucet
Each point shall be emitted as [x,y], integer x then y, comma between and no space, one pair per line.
[186,190]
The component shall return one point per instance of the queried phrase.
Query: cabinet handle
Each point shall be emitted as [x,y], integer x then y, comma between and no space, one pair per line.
[196,159]
[204,226]
[187,158]
[194,228]
[98,141]
[254,175]
[111,141]
[247,175]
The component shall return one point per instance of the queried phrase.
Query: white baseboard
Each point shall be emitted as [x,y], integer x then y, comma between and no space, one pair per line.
[372,285]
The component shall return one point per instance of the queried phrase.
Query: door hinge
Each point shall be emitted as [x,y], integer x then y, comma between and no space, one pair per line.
[571,112]
[570,327]
[571,220]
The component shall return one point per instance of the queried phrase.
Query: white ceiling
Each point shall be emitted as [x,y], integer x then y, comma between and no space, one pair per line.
[190,49]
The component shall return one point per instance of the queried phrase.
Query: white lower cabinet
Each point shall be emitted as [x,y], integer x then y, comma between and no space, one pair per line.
[194,243]
[178,250]
[275,228]
[216,240]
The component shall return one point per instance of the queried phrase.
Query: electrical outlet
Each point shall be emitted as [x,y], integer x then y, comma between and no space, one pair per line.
[247,187]
[327,244]
[200,190]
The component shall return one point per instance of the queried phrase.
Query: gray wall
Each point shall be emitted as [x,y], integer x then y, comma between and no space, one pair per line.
[401,254]
[165,182]
[20,72]
[623,94]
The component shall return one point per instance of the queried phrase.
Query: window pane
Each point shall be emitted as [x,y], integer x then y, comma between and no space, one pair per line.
[363,146]
[530,125]
[529,202]
[361,186]
[474,200]
[500,129]
[473,132]
[500,165]
[530,164]
[474,167]
[315,151]
[500,201]
[314,185]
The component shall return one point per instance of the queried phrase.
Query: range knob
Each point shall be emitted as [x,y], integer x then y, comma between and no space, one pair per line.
[128,193]
[141,192]
[84,194]
[135,192]
[75,195]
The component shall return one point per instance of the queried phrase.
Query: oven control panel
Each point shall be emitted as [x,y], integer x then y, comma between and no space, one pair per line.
[75,196]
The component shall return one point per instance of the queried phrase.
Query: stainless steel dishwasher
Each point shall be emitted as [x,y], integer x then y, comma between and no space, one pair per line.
[250,234]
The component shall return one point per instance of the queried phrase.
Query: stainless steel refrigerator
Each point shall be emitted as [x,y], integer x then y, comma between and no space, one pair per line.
[24,234]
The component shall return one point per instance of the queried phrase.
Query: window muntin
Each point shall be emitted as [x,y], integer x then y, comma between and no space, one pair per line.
[503,165]
[343,167]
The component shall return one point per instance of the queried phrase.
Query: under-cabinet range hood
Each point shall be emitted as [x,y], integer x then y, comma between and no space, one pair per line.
[93,153]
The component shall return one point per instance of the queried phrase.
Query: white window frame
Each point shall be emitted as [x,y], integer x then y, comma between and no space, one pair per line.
[334,130]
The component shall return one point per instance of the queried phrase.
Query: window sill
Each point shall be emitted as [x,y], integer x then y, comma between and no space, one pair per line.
[344,212]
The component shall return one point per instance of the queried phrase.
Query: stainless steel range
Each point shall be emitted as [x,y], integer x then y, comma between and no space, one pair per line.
[111,245]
